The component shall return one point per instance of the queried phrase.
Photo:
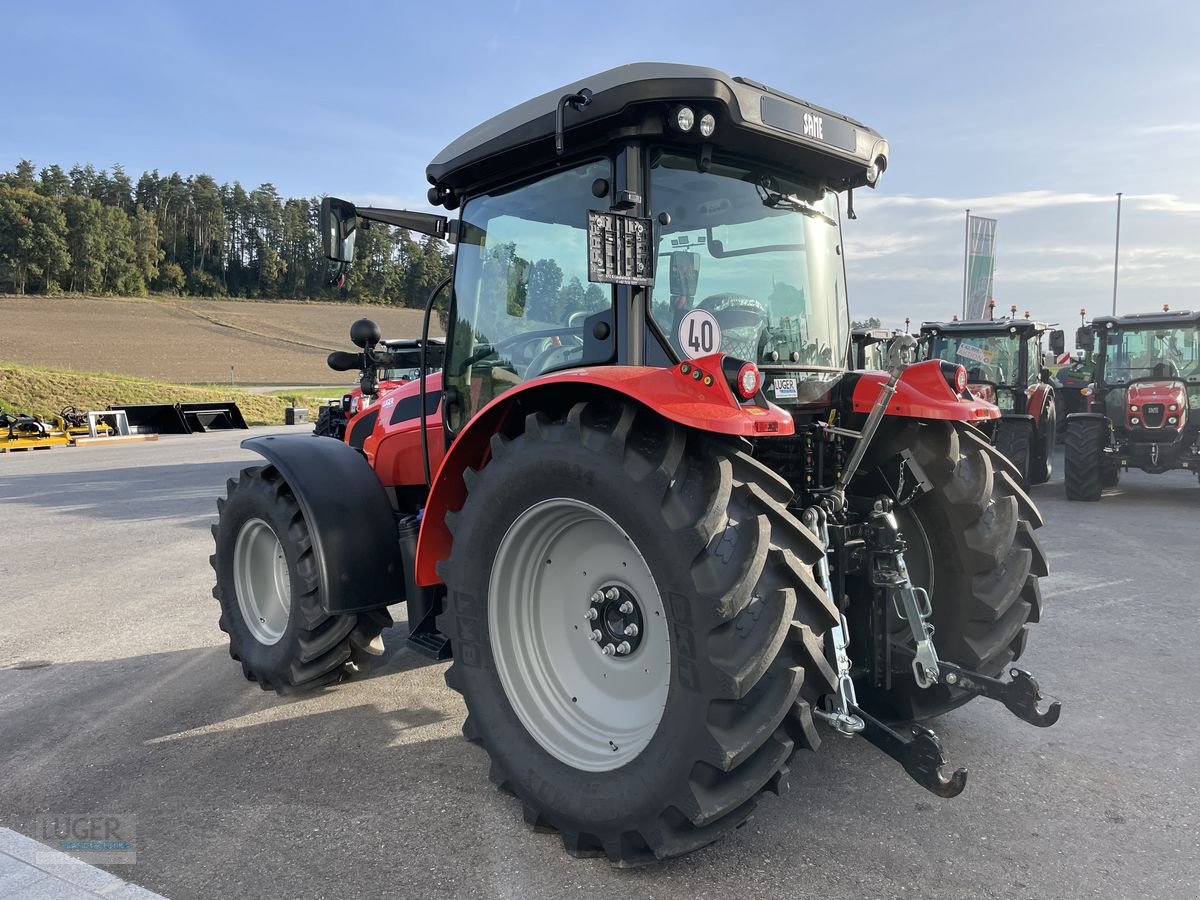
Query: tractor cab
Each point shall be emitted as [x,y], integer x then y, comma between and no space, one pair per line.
[1144,399]
[1004,362]
[869,347]
[646,216]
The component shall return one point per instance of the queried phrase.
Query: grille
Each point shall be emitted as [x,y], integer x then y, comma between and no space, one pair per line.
[1153,414]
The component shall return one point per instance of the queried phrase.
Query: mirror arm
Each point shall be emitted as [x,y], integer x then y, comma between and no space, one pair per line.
[424,223]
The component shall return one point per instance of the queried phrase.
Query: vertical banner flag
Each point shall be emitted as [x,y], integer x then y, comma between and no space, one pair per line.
[981,239]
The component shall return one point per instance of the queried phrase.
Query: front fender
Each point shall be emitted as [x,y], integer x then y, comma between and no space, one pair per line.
[353,529]
[676,394]
[921,393]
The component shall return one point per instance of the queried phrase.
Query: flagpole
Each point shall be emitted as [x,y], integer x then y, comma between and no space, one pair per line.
[966,247]
[1116,253]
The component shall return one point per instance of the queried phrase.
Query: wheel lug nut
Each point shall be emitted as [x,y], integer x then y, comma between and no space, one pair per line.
[626,608]
[631,630]
[623,648]
[612,594]
[597,597]
[596,635]
[609,649]
[591,614]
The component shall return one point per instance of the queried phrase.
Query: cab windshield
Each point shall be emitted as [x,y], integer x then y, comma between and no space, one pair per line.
[1152,353]
[749,264]
[987,358]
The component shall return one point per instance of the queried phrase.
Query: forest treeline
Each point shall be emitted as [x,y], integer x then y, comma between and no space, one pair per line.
[97,232]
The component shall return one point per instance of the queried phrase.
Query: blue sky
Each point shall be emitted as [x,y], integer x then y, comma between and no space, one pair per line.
[1033,113]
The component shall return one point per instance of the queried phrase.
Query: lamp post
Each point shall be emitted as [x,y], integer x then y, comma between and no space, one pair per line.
[1117,253]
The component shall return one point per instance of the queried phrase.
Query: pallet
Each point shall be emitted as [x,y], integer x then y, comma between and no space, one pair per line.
[114,439]
[20,444]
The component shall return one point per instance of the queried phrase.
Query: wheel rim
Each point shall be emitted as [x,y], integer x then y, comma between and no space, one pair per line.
[260,576]
[564,572]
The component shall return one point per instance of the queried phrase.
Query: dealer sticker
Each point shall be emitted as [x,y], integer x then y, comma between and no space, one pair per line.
[784,388]
[699,334]
[975,354]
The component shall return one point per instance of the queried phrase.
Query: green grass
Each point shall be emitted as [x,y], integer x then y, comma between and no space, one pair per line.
[44,392]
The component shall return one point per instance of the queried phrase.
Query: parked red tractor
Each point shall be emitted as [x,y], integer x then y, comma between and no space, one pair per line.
[1144,401]
[667,537]
[379,371]
[1004,363]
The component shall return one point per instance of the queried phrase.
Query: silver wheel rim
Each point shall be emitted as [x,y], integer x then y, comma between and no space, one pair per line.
[592,711]
[260,577]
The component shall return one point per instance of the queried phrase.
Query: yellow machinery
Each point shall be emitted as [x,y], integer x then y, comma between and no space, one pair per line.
[20,431]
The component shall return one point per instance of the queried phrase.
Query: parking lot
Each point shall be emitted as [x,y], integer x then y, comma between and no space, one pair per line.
[117,695]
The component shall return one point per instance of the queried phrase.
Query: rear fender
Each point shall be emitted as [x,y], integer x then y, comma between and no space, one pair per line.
[353,529]
[673,393]
[921,393]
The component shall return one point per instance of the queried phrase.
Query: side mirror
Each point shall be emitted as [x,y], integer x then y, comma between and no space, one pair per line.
[364,333]
[1058,341]
[1085,338]
[339,223]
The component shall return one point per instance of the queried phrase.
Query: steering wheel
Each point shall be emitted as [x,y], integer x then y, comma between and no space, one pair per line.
[528,347]
[552,357]
[743,321]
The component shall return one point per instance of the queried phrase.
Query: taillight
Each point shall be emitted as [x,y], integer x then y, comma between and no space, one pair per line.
[748,381]
[957,379]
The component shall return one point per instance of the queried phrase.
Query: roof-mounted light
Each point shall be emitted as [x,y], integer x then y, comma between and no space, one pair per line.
[685,118]
[708,124]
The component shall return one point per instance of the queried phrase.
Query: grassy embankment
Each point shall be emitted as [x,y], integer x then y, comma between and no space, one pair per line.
[27,389]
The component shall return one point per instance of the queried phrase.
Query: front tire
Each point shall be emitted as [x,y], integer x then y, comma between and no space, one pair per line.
[269,595]
[667,757]
[1042,465]
[1014,438]
[1083,464]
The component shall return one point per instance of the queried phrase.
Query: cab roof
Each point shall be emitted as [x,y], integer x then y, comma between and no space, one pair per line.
[1173,318]
[635,100]
[985,326]
[874,335]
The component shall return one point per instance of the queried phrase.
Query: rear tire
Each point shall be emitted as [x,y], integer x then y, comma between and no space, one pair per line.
[268,590]
[1083,463]
[1014,438]
[737,639]
[971,542]
[1041,466]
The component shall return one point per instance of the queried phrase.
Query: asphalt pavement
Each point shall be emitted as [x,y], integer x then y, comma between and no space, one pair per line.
[117,696]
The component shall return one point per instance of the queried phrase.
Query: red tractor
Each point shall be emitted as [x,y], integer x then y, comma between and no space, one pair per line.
[1143,402]
[379,371]
[1004,363]
[666,537]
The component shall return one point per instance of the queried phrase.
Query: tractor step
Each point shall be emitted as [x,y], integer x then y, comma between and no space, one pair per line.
[427,640]
[919,751]
[1022,695]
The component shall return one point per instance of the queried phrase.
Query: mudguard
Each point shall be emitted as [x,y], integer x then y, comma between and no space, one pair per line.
[921,393]
[703,402]
[353,528]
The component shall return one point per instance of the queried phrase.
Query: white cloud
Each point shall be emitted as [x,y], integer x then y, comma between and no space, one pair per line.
[1026,201]
[1171,128]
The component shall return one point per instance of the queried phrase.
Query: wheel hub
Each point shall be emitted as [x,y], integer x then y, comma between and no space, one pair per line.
[616,618]
[593,709]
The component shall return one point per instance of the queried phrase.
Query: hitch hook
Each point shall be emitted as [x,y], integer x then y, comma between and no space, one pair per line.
[1022,695]
[921,755]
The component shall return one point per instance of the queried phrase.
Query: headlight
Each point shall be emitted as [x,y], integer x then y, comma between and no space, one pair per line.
[1172,421]
[1133,407]
[1134,420]
[354,403]
[707,125]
